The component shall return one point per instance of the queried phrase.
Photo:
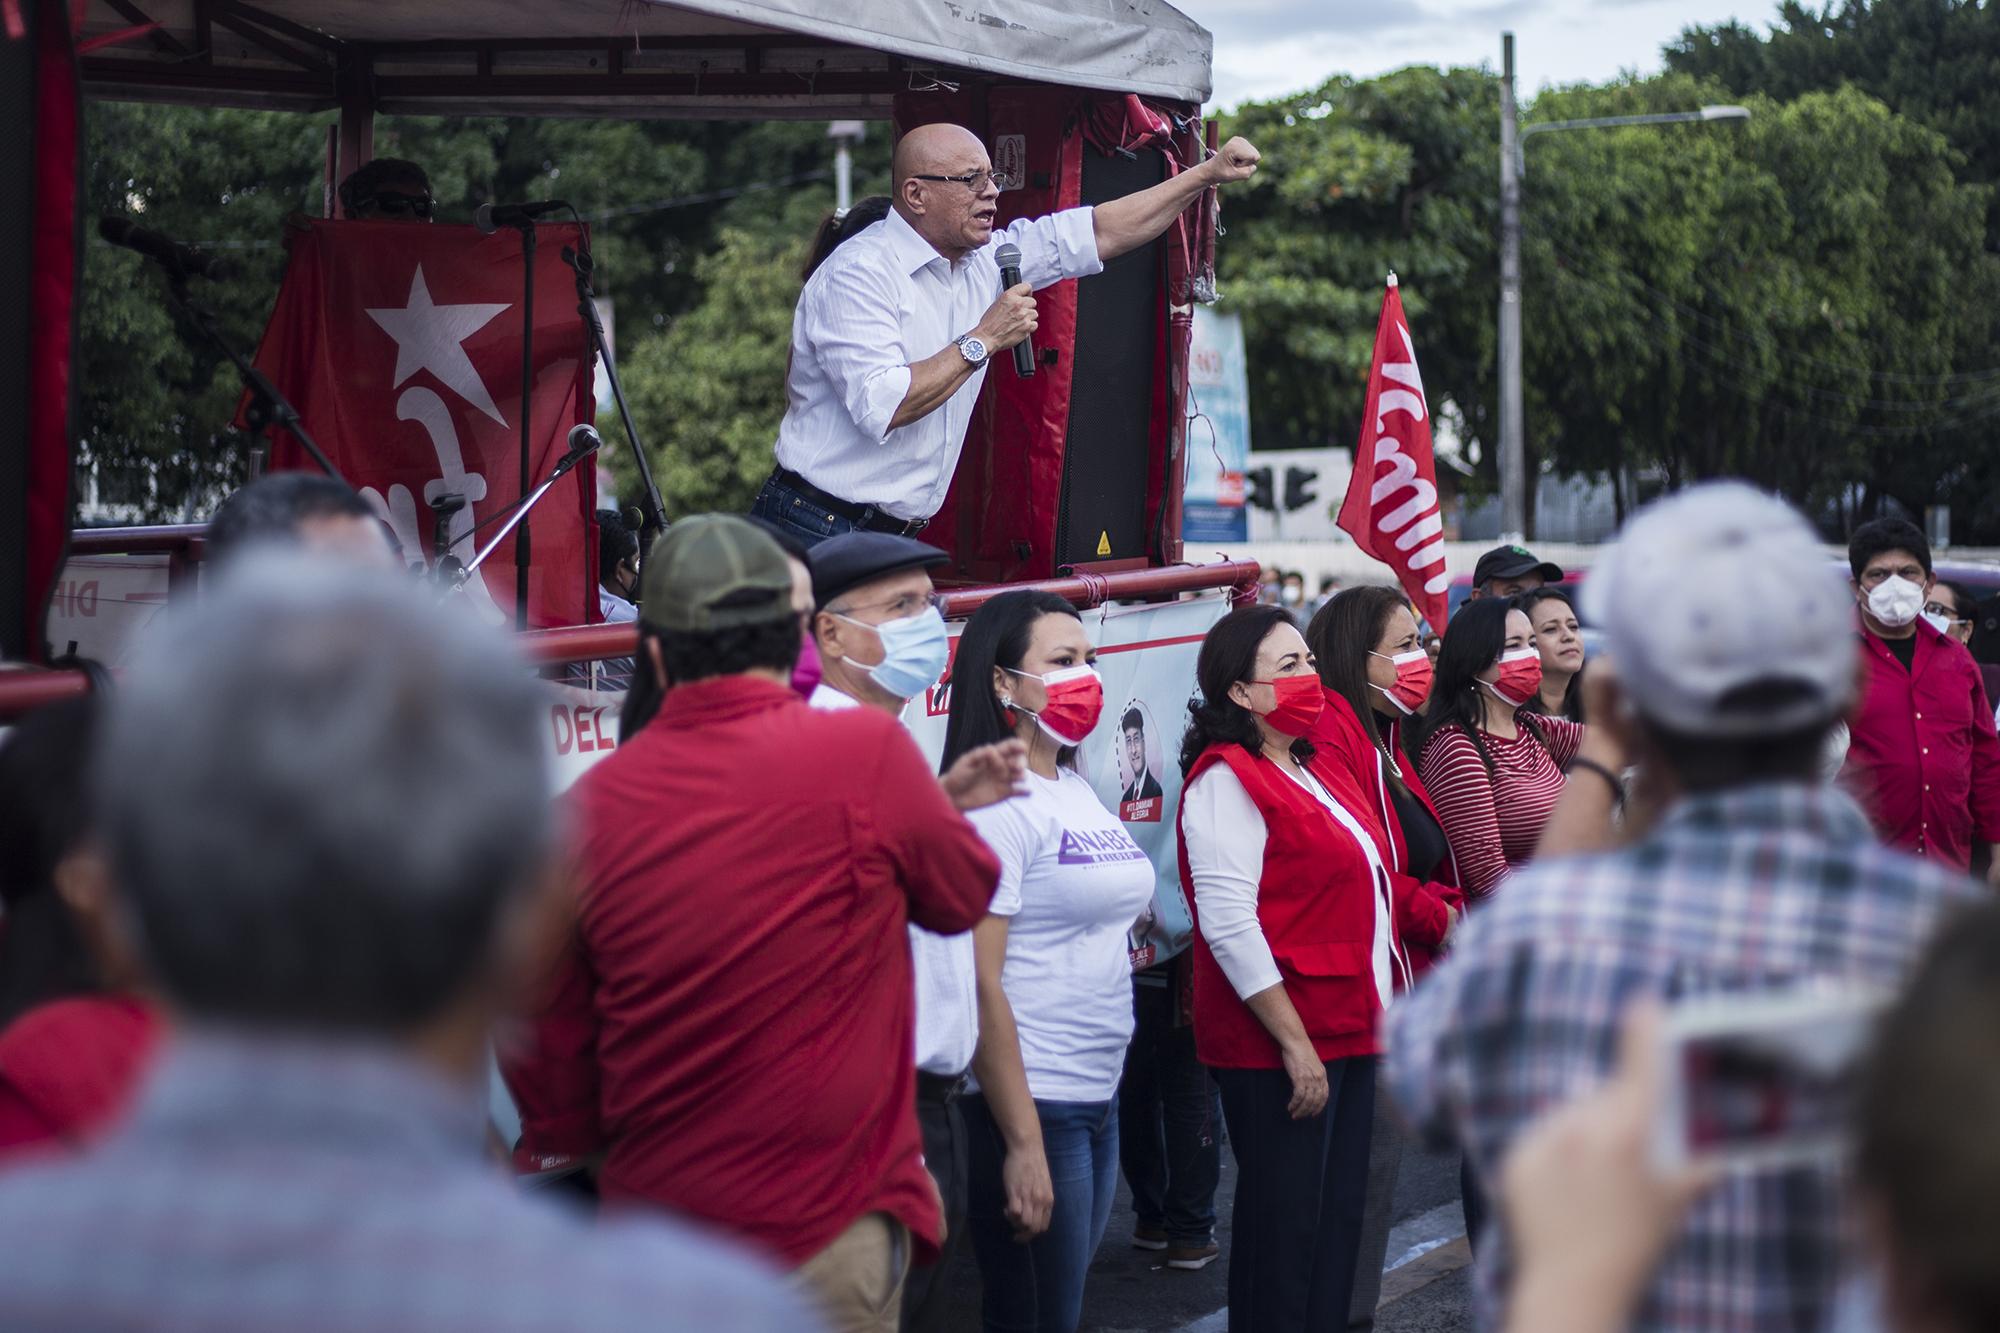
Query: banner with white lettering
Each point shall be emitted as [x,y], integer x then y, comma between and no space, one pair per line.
[1391,509]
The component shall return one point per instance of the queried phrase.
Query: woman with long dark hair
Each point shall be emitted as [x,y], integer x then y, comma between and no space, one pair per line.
[1053,975]
[74,1038]
[1559,639]
[841,226]
[1377,679]
[1295,957]
[1493,767]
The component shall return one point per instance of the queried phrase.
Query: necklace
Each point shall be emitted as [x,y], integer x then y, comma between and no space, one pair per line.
[1390,758]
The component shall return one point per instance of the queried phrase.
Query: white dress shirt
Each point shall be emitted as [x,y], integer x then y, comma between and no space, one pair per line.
[1225,846]
[879,303]
[947,998]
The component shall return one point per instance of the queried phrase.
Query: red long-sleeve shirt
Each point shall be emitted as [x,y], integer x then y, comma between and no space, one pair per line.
[68,1068]
[1922,756]
[732,1021]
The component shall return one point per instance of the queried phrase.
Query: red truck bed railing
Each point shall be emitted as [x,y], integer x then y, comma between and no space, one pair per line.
[25,690]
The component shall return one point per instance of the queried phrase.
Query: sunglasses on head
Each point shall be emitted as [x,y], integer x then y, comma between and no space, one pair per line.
[398,205]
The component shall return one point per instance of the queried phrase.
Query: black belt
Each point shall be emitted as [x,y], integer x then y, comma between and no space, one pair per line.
[944,1089]
[861,516]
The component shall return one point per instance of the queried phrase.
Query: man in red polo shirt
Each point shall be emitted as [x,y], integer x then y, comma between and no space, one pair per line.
[732,1023]
[1923,758]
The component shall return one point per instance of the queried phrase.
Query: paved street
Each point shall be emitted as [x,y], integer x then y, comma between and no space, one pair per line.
[1131,1292]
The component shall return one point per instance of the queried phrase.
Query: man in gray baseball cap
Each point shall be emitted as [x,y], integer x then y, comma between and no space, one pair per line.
[1730,657]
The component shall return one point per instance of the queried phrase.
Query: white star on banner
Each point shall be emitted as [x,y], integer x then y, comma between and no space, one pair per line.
[429,337]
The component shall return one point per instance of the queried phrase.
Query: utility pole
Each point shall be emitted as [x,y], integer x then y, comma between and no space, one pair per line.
[1514,497]
[845,134]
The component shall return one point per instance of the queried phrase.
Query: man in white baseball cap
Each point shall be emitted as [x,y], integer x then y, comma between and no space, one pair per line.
[1731,655]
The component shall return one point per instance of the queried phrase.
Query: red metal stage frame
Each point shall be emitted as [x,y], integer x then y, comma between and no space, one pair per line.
[26,690]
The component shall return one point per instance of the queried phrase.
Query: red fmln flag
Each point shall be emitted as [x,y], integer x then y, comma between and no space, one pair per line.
[400,345]
[1391,509]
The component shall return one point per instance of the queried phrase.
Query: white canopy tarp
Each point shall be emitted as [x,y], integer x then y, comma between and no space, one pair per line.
[279,52]
[1140,46]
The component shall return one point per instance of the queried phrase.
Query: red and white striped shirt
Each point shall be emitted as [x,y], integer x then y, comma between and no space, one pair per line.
[1493,821]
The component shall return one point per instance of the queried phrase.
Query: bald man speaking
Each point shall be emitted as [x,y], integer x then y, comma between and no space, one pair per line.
[893,332]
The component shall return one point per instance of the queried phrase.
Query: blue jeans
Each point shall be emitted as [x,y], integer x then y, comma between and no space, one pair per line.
[1038,1287]
[779,504]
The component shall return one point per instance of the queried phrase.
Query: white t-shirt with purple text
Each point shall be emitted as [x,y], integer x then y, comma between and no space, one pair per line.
[1072,882]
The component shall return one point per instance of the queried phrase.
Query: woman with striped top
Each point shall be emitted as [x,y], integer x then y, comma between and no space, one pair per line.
[1494,768]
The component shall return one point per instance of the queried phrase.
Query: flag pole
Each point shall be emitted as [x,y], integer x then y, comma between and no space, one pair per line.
[521,549]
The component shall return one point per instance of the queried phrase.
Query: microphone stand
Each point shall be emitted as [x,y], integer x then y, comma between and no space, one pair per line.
[526,227]
[267,406]
[654,518]
[518,519]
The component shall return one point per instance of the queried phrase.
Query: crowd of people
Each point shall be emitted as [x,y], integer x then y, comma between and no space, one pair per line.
[791,1015]
[798,1041]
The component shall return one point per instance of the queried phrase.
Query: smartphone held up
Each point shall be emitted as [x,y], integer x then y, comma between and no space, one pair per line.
[1764,1079]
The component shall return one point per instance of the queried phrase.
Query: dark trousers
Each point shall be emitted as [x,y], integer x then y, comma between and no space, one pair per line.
[943,1127]
[1472,1201]
[1169,1120]
[1038,1287]
[1300,1191]
[1385,1163]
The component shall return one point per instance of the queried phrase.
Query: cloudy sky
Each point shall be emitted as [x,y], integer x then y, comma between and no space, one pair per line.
[1266,47]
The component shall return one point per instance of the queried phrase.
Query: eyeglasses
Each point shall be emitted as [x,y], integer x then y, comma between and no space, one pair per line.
[977,180]
[909,604]
[1944,612]
[397,205]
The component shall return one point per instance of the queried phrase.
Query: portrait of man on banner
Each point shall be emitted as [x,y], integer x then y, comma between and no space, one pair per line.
[1140,799]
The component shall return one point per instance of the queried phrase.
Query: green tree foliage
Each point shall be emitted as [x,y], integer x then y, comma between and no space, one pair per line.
[1935,61]
[1786,300]
[1801,300]
[1364,177]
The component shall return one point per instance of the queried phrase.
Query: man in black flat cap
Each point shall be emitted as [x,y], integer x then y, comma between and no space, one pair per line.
[882,642]
[1506,570]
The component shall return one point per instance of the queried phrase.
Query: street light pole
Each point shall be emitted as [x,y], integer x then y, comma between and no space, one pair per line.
[1516,500]
[1513,456]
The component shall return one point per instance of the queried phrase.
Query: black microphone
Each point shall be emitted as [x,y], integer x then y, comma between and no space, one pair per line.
[583,442]
[182,261]
[1008,257]
[490,218]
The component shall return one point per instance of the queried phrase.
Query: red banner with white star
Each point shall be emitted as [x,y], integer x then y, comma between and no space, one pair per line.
[400,345]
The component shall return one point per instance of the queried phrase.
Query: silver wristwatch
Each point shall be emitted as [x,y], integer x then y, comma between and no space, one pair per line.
[969,347]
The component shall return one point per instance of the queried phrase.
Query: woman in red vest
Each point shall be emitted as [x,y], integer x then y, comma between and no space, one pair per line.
[1376,676]
[1295,954]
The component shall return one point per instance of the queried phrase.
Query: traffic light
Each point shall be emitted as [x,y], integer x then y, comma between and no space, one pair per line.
[1257,489]
[1298,487]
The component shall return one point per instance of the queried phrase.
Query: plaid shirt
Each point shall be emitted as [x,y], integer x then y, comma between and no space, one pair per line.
[1739,890]
[261,1186]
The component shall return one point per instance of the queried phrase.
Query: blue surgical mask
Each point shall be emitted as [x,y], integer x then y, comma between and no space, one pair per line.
[914,651]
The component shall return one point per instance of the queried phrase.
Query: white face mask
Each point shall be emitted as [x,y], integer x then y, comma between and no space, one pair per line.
[1939,623]
[1896,601]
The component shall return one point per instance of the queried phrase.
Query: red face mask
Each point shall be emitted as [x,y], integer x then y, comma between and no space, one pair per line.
[1520,677]
[1413,680]
[1300,699]
[806,673]
[1075,703]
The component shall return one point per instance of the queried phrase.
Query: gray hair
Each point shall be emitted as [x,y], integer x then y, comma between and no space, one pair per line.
[320,791]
